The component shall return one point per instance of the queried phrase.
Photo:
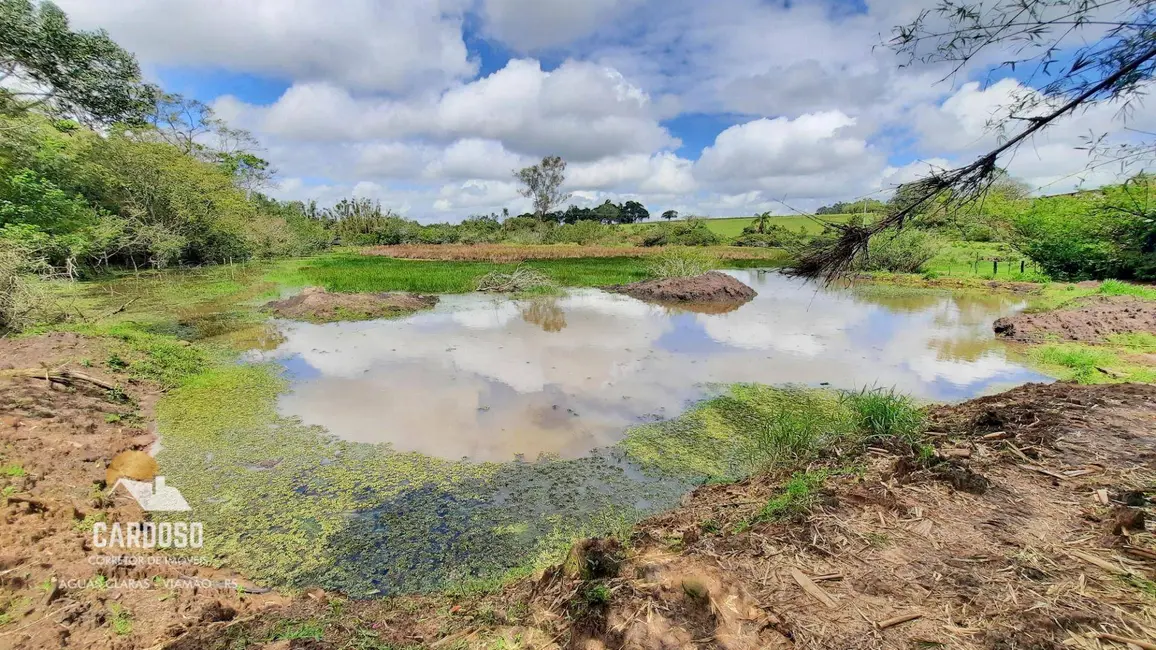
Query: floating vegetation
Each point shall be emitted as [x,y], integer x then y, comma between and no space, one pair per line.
[366,520]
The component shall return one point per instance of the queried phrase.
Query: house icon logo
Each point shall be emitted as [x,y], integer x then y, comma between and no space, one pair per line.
[154,496]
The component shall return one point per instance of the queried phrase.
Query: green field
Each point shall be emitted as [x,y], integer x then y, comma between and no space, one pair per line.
[733,226]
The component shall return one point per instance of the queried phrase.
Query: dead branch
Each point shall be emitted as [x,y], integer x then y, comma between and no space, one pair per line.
[62,377]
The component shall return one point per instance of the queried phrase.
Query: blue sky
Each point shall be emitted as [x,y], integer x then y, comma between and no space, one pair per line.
[722,108]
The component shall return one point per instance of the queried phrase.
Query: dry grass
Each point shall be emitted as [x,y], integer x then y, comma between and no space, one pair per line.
[521,253]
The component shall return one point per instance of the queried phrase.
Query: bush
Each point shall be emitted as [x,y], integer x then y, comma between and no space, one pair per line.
[1093,235]
[906,251]
[680,262]
[21,302]
[692,232]
[773,236]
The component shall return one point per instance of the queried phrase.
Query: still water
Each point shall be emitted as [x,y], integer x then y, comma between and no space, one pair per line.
[491,379]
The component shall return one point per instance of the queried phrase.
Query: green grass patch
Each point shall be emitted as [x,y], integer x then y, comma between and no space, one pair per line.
[12,471]
[1087,364]
[885,413]
[754,428]
[984,261]
[799,494]
[120,619]
[1119,288]
[730,227]
[1134,341]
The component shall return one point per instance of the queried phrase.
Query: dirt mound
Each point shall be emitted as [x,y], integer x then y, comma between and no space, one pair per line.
[710,287]
[1092,321]
[318,305]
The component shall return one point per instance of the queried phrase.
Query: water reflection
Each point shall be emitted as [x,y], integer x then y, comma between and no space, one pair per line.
[491,379]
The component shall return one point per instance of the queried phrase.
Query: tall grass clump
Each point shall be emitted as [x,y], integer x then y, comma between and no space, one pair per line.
[794,425]
[1119,288]
[681,262]
[522,279]
[884,413]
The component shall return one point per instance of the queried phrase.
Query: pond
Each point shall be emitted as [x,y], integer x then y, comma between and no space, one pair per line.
[475,440]
[492,378]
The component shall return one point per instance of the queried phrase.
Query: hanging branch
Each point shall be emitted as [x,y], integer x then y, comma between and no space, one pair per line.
[834,260]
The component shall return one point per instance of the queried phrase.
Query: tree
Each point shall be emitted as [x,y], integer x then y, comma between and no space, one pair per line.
[542,183]
[670,214]
[633,211]
[45,65]
[193,128]
[1078,53]
[761,222]
[607,212]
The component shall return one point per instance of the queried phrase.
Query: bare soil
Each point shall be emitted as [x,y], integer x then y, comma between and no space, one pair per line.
[1091,321]
[56,441]
[710,287]
[318,305]
[1055,550]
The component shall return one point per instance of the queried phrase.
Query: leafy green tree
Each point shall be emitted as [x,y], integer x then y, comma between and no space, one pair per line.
[46,66]
[607,212]
[1103,234]
[633,211]
[762,222]
[670,215]
[542,183]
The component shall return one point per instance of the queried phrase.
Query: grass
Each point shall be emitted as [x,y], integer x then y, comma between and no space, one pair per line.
[1089,364]
[121,619]
[1134,341]
[756,428]
[885,413]
[12,471]
[798,496]
[975,260]
[1119,288]
[676,262]
[731,227]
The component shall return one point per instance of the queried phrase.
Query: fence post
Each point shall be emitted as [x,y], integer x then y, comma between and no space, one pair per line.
[994,267]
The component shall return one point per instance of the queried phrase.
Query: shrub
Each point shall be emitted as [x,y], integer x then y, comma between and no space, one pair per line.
[772,236]
[681,262]
[692,232]
[22,303]
[906,251]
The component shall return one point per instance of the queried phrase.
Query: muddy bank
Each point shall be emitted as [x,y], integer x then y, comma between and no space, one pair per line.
[1091,321]
[709,288]
[57,437]
[317,305]
[891,555]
